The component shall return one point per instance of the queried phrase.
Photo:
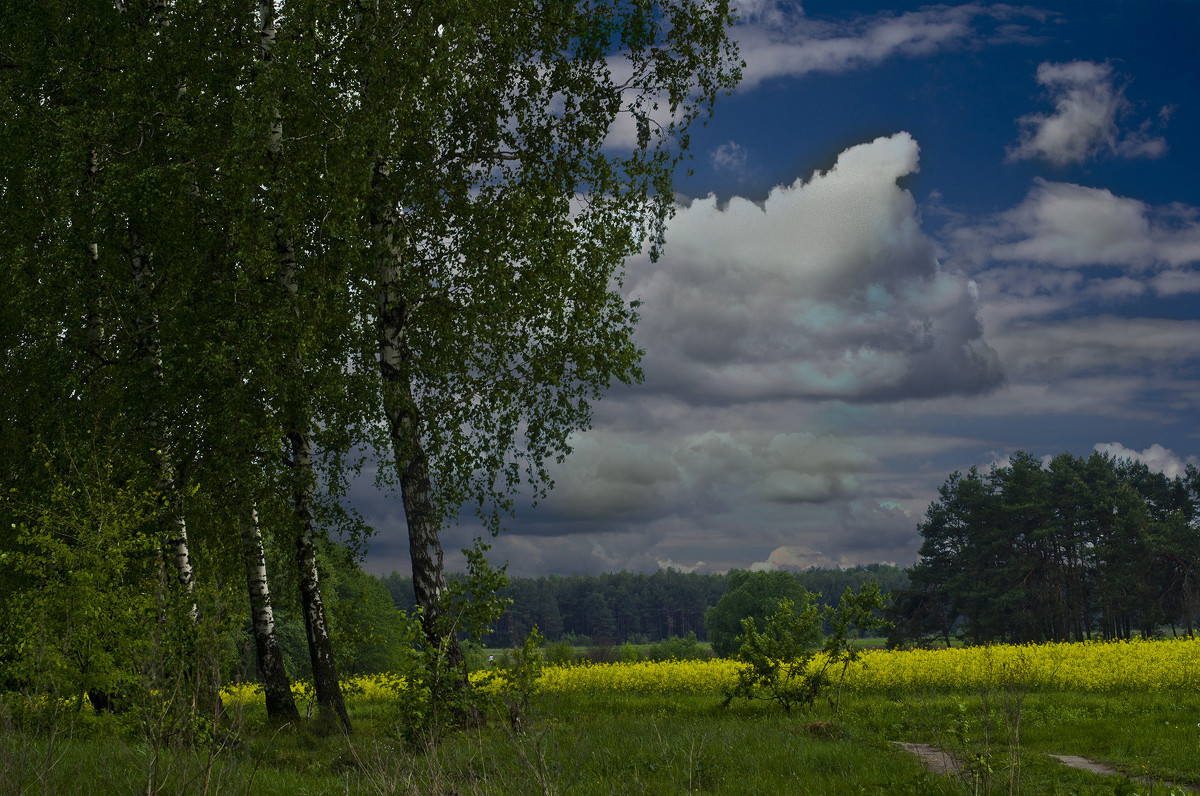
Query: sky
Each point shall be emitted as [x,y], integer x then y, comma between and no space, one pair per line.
[916,239]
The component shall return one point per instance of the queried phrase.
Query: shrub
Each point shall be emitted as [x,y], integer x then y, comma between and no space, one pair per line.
[628,653]
[781,662]
[754,595]
[604,654]
[560,653]
[777,660]
[438,695]
[519,681]
[677,648]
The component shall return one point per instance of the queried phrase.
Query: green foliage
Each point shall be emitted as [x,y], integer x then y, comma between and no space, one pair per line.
[560,653]
[777,659]
[196,230]
[646,607]
[1080,548]
[677,648]
[781,664]
[77,613]
[95,627]
[438,695]
[414,715]
[472,604]
[628,653]
[474,656]
[517,678]
[857,612]
[577,639]
[749,595]
[365,624]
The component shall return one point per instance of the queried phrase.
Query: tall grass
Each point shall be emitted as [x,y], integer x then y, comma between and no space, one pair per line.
[623,733]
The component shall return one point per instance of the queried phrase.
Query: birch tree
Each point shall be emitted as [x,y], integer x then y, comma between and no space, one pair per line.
[503,203]
[219,213]
[298,421]
[95,157]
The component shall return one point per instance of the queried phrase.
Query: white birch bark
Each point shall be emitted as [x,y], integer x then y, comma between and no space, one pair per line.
[175,537]
[404,426]
[277,687]
[320,649]
[320,646]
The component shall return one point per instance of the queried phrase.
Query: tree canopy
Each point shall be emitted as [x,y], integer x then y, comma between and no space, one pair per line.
[245,241]
[1072,549]
[750,595]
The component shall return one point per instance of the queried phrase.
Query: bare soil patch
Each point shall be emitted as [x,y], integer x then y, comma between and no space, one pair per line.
[939,761]
[1075,761]
[936,759]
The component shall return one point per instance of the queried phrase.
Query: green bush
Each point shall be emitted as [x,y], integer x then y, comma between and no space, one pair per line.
[560,653]
[606,653]
[778,659]
[754,595]
[677,648]
[518,677]
[438,695]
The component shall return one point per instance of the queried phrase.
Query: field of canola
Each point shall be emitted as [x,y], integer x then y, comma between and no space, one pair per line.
[1145,666]
[1096,666]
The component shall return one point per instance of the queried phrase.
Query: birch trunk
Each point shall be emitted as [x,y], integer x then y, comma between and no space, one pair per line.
[404,426]
[175,537]
[277,687]
[94,324]
[316,627]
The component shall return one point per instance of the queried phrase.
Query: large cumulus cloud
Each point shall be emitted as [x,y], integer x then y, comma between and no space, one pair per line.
[830,289]
[1156,457]
[829,293]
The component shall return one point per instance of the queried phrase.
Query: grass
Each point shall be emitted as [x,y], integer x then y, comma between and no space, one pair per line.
[607,743]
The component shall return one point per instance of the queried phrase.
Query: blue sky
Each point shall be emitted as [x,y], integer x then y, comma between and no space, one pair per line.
[917,238]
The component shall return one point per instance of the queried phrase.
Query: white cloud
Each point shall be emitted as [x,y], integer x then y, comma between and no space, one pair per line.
[754,316]
[1023,398]
[1156,457]
[729,156]
[1088,104]
[1069,225]
[778,41]
[829,289]
[1063,348]
[793,557]
[1174,283]
[619,477]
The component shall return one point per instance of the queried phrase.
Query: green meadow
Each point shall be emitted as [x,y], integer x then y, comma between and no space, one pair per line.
[607,742]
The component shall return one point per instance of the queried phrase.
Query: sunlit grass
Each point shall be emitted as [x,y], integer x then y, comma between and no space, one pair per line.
[659,728]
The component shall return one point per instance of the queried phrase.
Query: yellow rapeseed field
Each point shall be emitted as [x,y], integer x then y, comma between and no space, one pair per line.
[1089,666]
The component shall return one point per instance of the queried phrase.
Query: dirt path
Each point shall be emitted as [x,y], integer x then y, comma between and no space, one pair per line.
[936,759]
[940,761]
[1075,761]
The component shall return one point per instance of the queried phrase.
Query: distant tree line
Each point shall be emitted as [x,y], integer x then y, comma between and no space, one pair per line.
[634,606]
[1079,548]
